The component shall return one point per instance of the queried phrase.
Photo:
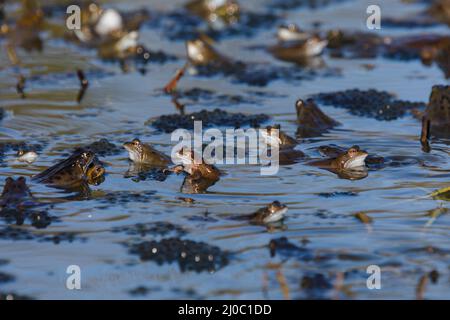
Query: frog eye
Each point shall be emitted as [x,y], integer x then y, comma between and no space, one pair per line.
[136,142]
[276,203]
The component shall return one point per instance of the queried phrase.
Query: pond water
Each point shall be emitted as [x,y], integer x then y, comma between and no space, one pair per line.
[333,248]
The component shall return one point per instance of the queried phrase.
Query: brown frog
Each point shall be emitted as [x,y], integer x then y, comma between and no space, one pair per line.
[291,32]
[286,144]
[311,120]
[349,164]
[16,195]
[68,173]
[201,52]
[142,153]
[283,140]
[211,10]
[333,151]
[298,51]
[195,170]
[26,156]
[95,174]
[352,158]
[273,212]
[25,33]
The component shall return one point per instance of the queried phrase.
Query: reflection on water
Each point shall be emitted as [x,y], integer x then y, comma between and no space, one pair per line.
[319,251]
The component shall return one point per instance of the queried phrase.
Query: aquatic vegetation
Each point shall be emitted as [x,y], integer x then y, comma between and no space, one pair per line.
[442,194]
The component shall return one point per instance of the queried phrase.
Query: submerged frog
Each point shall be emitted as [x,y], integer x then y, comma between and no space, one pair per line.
[374,161]
[212,10]
[16,195]
[297,51]
[17,203]
[291,32]
[142,153]
[201,52]
[311,120]
[26,156]
[282,140]
[287,154]
[271,213]
[121,48]
[349,164]
[68,173]
[196,171]
[115,34]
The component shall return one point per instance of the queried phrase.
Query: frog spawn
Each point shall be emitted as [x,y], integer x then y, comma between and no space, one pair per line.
[217,117]
[368,103]
[190,255]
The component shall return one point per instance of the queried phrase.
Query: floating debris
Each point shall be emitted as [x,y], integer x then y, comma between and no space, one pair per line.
[425,135]
[84,84]
[20,86]
[172,85]
[364,218]
[442,194]
[421,287]
[436,213]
